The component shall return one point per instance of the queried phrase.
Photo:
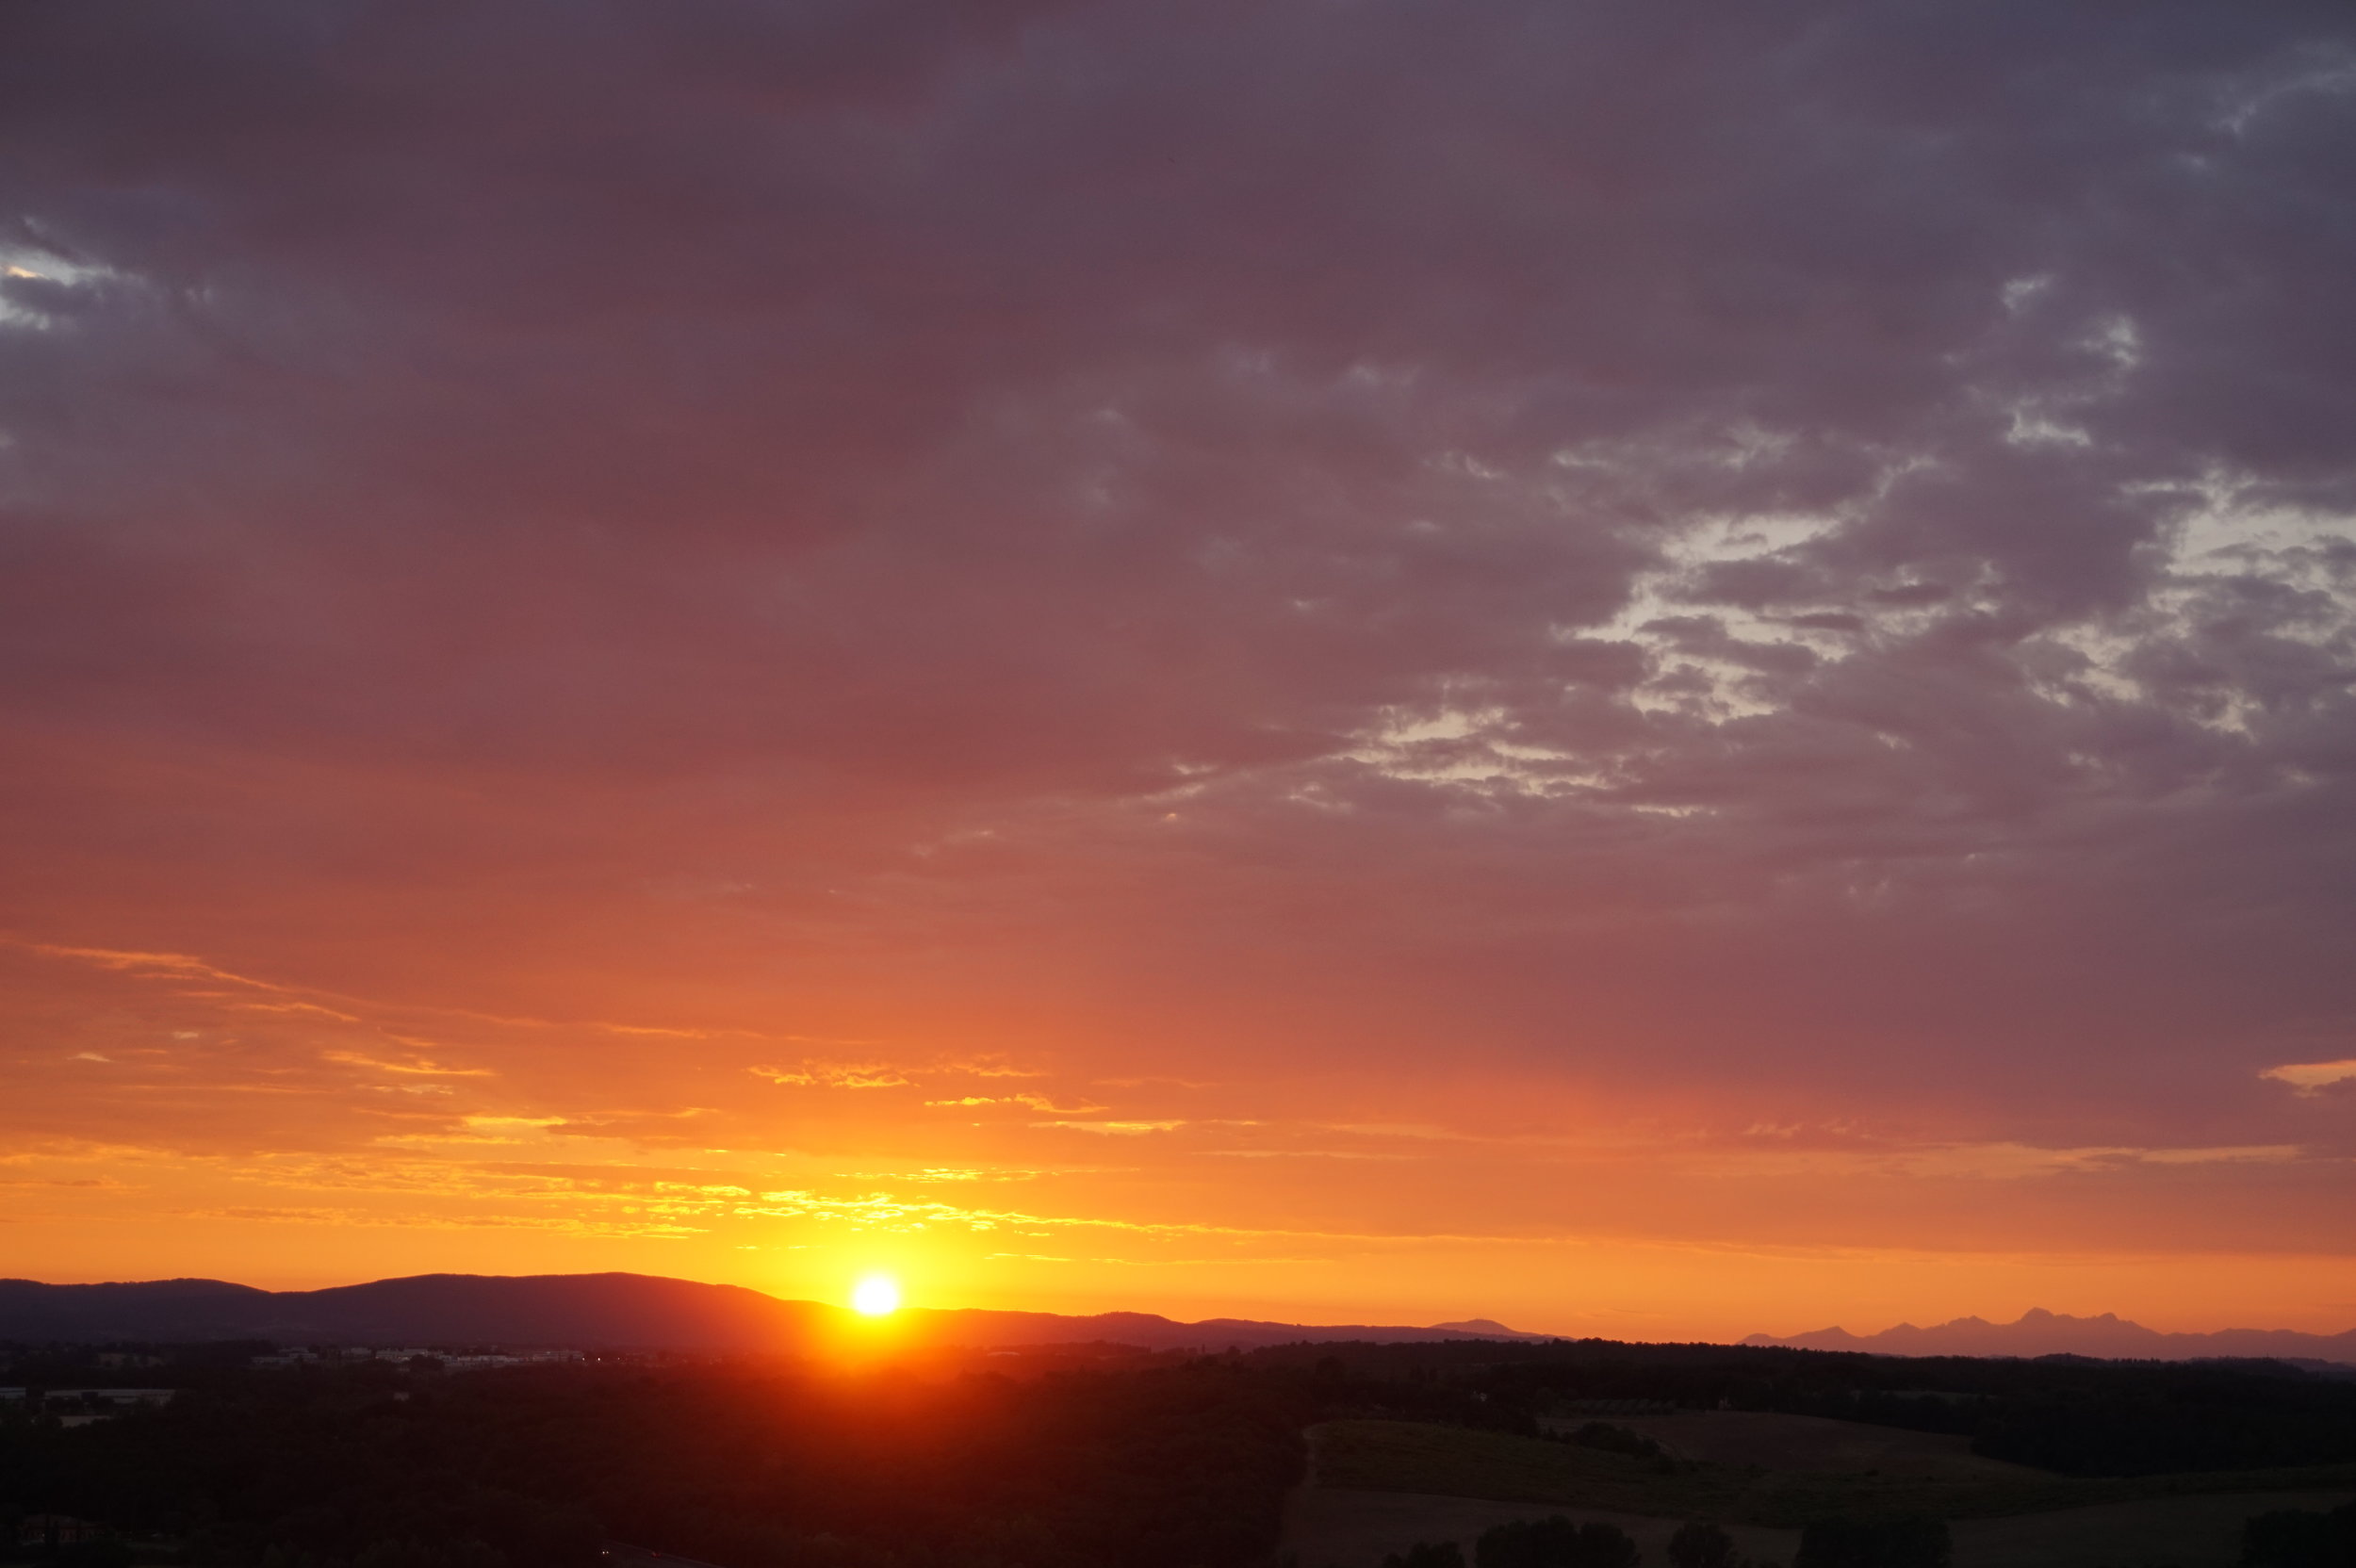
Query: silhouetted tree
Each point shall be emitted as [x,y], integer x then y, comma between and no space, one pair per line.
[1555,1543]
[1916,1542]
[1615,1439]
[1428,1554]
[2295,1538]
[1697,1545]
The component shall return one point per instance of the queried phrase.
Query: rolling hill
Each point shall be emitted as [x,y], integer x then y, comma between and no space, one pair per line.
[590,1311]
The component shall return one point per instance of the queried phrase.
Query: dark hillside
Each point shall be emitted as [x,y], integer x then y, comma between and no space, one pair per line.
[750,1469]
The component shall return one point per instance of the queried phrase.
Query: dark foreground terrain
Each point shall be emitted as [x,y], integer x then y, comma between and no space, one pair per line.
[738,1464]
[1091,1457]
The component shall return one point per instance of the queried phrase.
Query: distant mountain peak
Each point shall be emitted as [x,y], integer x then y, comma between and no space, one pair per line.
[1489,1326]
[2042,1332]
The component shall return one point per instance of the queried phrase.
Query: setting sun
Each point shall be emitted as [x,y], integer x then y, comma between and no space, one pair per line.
[876,1296]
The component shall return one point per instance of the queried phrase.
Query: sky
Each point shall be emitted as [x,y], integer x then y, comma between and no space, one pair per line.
[1655,671]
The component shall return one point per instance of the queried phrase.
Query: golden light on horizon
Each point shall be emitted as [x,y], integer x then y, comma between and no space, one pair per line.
[876,1296]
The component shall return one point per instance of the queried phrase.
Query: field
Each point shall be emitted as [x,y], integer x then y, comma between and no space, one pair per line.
[1333,1528]
[1813,1444]
[1378,1485]
[1327,1527]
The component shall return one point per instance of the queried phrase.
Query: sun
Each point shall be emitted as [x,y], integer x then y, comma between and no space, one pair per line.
[877,1296]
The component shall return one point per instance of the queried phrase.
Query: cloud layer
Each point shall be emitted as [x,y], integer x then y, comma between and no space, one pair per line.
[1643,601]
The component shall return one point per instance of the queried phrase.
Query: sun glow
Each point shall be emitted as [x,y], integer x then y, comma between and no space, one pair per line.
[877,1296]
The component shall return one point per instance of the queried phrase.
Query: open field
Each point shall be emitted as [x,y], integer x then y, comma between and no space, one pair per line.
[1455,1462]
[1325,1528]
[1814,1445]
[1916,1476]
[1333,1528]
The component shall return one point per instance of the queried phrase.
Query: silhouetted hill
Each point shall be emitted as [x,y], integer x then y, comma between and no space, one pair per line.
[1488,1327]
[590,1311]
[1154,1332]
[429,1308]
[2039,1332]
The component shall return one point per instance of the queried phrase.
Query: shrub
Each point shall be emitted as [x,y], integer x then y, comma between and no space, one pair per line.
[1615,1439]
[1555,1543]
[1697,1545]
[1428,1554]
[1916,1542]
[2294,1538]
[101,1553]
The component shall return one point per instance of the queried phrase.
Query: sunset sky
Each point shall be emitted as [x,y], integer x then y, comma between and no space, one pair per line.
[1652,670]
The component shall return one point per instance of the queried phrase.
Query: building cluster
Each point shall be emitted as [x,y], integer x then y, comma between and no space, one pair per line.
[449,1360]
[46,1532]
[77,1407]
[1616,1407]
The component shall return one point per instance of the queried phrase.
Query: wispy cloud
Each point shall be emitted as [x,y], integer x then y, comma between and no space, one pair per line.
[1115,1129]
[991,1066]
[173,965]
[836,1075]
[1030,1102]
[420,1066]
[2310,1077]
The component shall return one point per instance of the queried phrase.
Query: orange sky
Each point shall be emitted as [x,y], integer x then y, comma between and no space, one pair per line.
[225,1123]
[1378,662]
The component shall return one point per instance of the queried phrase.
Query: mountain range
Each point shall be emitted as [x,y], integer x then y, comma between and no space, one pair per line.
[647,1312]
[2039,1332]
[597,1311]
